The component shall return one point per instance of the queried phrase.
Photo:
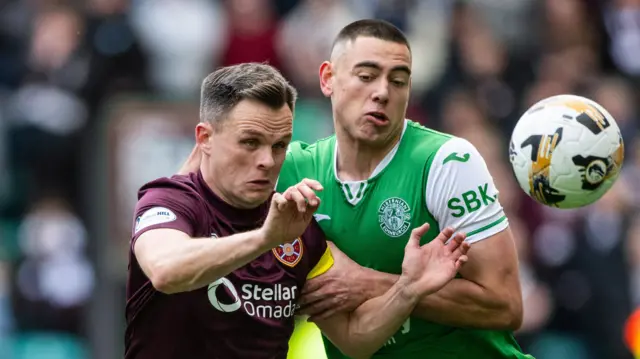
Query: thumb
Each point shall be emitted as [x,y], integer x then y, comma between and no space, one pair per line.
[416,235]
[279,202]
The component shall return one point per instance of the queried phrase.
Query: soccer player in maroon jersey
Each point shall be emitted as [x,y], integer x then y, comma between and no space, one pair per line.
[217,260]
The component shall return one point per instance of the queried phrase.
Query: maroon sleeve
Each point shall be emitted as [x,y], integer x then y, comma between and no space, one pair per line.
[316,243]
[173,207]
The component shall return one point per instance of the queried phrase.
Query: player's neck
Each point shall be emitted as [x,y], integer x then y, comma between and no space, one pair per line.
[356,161]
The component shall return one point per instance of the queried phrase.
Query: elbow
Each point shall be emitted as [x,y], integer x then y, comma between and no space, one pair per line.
[164,280]
[516,314]
[512,314]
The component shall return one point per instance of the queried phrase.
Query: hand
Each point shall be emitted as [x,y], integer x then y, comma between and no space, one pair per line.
[291,212]
[426,269]
[340,289]
[193,162]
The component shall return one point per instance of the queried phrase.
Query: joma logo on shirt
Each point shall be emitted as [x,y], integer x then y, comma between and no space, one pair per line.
[270,296]
[471,201]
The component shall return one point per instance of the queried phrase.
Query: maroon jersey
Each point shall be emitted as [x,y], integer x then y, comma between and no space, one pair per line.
[247,313]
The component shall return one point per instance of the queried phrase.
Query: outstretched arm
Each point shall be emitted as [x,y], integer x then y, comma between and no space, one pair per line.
[175,262]
[460,193]
[425,269]
[488,295]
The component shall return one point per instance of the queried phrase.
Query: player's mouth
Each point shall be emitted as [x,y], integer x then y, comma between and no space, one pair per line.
[377,118]
[261,183]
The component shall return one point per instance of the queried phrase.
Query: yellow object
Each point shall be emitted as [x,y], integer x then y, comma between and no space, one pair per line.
[306,341]
[323,265]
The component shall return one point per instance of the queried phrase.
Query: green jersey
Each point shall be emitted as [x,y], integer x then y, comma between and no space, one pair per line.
[427,177]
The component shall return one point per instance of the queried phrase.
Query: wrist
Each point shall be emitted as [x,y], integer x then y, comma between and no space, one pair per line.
[406,290]
[263,240]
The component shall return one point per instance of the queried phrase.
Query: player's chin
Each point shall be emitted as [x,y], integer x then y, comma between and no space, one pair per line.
[256,196]
[372,135]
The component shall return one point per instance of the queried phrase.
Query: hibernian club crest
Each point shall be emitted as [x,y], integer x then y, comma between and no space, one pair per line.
[394,216]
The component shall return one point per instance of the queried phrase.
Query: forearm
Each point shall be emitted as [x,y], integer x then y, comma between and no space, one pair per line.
[196,262]
[361,333]
[461,303]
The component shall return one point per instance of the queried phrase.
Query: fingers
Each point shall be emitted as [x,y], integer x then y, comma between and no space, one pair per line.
[461,251]
[294,195]
[313,184]
[445,235]
[312,297]
[308,192]
[461,261]
[456,241]
[304,195]
[323,315]
[318,308]
[311,286]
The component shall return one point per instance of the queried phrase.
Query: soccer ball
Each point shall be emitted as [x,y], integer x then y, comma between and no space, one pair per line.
[566,151]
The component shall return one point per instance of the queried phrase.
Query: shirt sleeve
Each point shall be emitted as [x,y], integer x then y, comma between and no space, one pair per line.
[171,208]
[460,192]
[323,265]
[321,257]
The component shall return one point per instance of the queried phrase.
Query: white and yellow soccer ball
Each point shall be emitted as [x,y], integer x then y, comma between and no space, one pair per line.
[566,151]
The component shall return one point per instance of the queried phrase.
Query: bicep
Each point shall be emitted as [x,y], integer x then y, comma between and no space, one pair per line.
[154,245]
[493,263]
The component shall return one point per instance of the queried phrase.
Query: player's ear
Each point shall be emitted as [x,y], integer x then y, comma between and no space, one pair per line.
[204,130]
[326,78]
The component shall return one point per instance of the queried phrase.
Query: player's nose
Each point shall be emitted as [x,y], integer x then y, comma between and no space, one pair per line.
[381,92]
[265,158]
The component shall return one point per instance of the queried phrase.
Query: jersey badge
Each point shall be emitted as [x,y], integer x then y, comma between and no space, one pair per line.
[153,216]
[394,216]
[289,254]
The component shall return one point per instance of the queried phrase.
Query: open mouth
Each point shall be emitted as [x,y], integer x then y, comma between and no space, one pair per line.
[378,118]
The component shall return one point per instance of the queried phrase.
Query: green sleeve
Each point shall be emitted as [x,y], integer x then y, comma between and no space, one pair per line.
[289,174]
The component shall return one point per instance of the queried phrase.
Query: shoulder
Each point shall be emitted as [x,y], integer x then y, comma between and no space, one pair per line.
[178,188]
[168,185]
[456,149]
[422,143]
[458,156]
[168,199]
[425,136]
[299,150]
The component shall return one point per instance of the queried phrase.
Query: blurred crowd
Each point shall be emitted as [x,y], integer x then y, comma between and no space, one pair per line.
[67,67]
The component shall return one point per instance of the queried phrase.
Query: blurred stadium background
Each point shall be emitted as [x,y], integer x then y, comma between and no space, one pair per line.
[99,96]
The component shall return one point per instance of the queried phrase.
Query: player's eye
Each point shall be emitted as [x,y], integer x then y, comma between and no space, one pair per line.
[365,77]
[399,83]
[280,145]
[251,143]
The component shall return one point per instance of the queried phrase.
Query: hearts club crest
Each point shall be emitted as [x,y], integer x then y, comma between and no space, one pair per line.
[289,254]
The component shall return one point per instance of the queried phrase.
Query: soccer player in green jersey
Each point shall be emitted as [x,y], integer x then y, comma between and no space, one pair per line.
[384,175]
